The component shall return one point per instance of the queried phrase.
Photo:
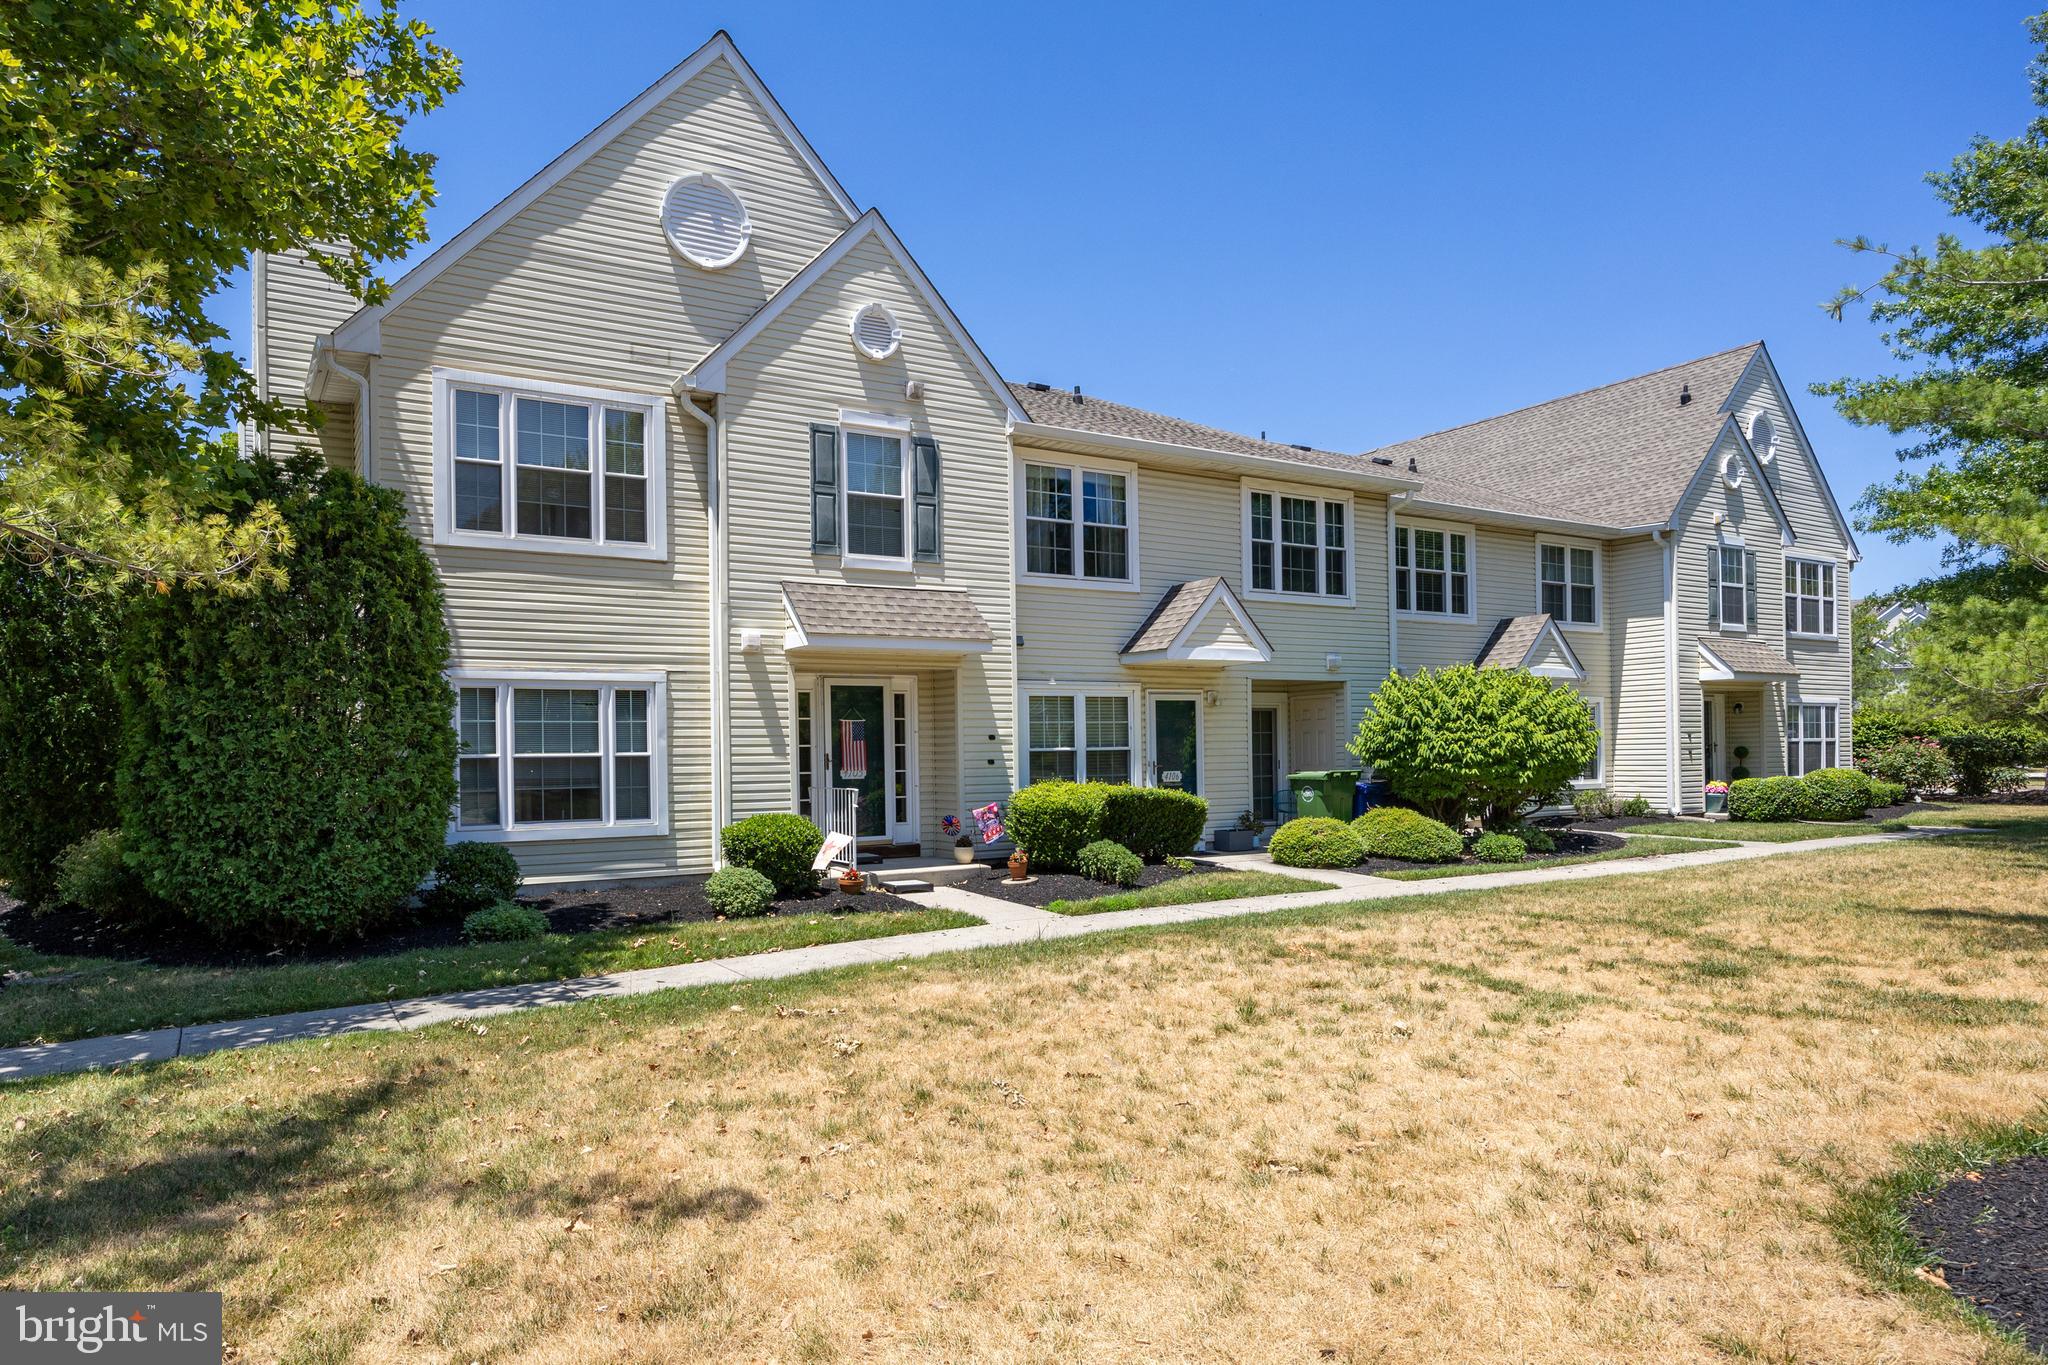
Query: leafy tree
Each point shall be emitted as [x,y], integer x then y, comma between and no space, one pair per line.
[288,756]
[1972,322]
[1876,657]
[147,147]
[1464,741]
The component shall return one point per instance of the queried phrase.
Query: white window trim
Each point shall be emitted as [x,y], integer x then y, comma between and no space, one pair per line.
[509,831]
[1076,465]
[1320,495]
[897,429]
[1599,579]
[1834,595]
[1599,705]
[1830,703]
[1735,543]
[1140,768]
[1471,534]
[508,391]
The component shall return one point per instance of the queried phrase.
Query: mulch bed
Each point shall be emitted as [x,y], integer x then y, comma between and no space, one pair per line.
[1064,886]
[1571,843]
[81,933]
[1561,822]
[1990,1229]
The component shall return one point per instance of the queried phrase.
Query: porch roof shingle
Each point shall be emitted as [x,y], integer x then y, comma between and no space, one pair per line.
[886,613]
[1511,641]
[1744,655]
[1171,615]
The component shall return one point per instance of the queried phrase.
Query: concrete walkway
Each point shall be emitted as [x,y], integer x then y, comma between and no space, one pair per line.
[1005,923]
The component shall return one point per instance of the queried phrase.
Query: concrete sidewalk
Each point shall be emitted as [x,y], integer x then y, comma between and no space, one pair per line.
[1005,923]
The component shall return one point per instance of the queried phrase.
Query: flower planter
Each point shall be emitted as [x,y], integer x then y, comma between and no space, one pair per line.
[1020,866]
[853,883]
[1716,802]
[964,855]
[1234,840]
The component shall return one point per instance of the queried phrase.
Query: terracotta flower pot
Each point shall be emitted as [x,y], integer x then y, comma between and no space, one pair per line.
[1020,866]
[852,882]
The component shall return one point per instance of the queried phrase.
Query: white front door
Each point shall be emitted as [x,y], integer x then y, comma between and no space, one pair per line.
[1710,726]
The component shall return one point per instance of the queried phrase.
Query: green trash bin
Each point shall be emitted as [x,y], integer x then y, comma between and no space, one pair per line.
[1324,793]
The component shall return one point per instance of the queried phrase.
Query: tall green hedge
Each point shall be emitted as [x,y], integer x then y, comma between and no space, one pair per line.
[288,758]
[1155,823]
[59,720]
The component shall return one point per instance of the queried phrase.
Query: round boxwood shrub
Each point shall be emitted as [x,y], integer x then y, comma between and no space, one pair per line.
[739,892]
[1883,793]
[1834,794]
[505,922]
[1396,832]
[1499,848]
[1155,823]
[1108,861]
[779,846]
[1534,838]
[94,875]
[470,877]
[1316,841]
[1917,763]
[1764,799]
[288,754]
[1053,821]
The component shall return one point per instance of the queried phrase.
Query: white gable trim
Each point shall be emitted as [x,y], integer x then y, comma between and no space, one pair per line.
[1762,357]
[1709,467]
[1179,650]
[1571,669]
[1714,668]
[361,332]
[708,375]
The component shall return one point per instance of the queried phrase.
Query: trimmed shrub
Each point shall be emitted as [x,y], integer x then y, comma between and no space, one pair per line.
[505,922]
[1834,794]
[1394,832]
[1053,821]
[94,875]
[1594,805]
[471,877]
[1107,861]
[288,755]
[739,892]
[1883,793]
[60,721]
[1153,822]
[1499,848]
[1764,799]
[778,845]
[1636,807]
[1916,763]
[1987,757]
[1534,839]
[1316,841]
[1464,741]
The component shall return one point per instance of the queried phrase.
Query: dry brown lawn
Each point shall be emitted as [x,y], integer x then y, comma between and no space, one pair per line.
[1603,1121]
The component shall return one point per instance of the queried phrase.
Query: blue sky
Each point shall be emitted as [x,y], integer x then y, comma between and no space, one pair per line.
[1342,225]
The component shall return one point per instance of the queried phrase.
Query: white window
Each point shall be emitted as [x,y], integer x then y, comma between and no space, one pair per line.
[1078,736]
[1763,438]
[1810,597]
[1297,545]
[547,467]
[877,496]
[559,755]
[1810,737]
[1734,587]
[1569,583]
[1432,570]
[1591,774]
[1079,523]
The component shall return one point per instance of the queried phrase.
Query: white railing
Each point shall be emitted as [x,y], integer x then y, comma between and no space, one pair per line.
[842,806]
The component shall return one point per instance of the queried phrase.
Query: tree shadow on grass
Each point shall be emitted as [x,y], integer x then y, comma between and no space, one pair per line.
[2004,931]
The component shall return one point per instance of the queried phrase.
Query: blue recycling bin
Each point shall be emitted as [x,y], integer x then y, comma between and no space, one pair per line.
[1370,792]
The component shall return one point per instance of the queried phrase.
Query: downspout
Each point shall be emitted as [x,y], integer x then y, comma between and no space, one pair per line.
[721,730]
[1393,603]
[323,358]
[1670,543]
[259,333]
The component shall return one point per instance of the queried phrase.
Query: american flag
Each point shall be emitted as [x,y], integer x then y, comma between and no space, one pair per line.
[853,748]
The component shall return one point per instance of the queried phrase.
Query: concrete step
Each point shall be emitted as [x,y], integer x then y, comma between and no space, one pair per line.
[902,884]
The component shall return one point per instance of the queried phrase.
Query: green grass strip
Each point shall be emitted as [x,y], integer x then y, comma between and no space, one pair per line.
[1213,886]
[1634,848]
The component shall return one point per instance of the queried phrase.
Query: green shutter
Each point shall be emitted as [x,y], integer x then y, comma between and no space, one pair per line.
[924,463]
[1713,587]
[1749,578]
[824,488]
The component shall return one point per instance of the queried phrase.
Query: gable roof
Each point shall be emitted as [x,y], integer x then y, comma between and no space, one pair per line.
[1762,359]
[708,374]
[358,332]
[1758,479]
[1617,456]
[1165,633]
[1518,639]
[1725,657]
[1054,411]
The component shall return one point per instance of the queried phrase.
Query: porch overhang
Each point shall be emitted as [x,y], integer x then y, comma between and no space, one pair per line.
[844,618]
[1534,643]
[1738,660]
[1198,622]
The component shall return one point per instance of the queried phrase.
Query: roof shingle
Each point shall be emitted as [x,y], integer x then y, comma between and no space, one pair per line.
[886,613]
[1077,412]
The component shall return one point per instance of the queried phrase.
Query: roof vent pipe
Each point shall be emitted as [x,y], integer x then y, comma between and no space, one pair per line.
[1411,465]
[1077,393]
[1684,394]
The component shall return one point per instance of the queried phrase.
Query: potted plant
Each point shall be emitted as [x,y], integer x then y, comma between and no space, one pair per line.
[963,849]
[852,881]
[1241,839]
[1717,797]
[1020,865]
[1738,772]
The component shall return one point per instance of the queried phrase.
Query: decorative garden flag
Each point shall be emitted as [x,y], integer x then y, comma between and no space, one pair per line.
[989,819]
[853,748]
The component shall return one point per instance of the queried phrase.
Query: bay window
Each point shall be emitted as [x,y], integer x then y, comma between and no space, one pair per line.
[1297,545]
[1432,570]
[1810,597]
[552,755]
[1078,523]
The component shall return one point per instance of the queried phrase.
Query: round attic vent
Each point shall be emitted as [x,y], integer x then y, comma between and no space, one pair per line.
[875,331]
[1763,438]
[1731,469]
[706,221]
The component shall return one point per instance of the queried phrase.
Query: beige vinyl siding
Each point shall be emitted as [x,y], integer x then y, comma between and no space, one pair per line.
[583,288]
[1190,525]
[297,304]
[803,369]
[1637,743]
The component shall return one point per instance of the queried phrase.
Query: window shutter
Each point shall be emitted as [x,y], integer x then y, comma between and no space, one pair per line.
[1713,587]
[1749,579]
[924,459]
[824,488]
